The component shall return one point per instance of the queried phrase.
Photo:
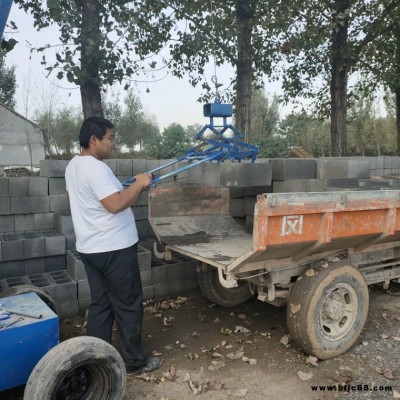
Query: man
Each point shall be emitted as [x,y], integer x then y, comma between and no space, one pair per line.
[106,239]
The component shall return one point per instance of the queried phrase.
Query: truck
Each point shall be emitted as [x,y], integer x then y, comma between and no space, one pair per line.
[316,253]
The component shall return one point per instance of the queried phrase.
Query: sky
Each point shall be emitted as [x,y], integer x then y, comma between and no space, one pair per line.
[169,100]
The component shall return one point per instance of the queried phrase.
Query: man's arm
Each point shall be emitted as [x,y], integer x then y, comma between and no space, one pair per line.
[119,201]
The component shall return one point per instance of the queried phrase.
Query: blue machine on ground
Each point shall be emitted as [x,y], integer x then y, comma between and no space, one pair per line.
[219,147]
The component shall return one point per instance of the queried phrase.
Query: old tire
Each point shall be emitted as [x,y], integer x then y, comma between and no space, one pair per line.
[327,309]
[22,289]
[215,292]
[80,368]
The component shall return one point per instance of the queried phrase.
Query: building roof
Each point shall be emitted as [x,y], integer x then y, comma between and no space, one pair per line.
[19,115]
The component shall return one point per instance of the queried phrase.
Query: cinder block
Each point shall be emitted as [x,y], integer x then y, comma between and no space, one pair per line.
[44,281]
[35,266]
[83,289]
[139,166]
[5,206]
[9,269]
[57,186]
[55,263]
[147,242]
[245,174]
[342,183]
[124,167]
[236,192]
[24,223]
[143,228]
[316,185]
[43,221]
[18,187]
[112,164]
[7,224]
[15,281]
[55,243]
[294,185]
[66,288]
[249,204]
[176,270]
[159,274]
[12,246]
[63,222]
[70,241]
[83,305]
[40,204]
[140,212]
[68,310]
[342,168]
[4,191]
[374,183]
[249,224]
[143,199]
[191,285]
[38,186]
[20,205]
[53,168]
[34,245]
[145,277]
[144,258]
[256,190]
[148,293]
[75,266]
[153,164]
[176,287]
[161,290]
[59,202]
[237,208]
[293,168]
[211,174]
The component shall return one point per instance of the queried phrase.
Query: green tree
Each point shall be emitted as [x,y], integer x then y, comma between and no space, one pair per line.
[8,83]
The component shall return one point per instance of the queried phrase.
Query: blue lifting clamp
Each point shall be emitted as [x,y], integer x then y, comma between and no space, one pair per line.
[218,147]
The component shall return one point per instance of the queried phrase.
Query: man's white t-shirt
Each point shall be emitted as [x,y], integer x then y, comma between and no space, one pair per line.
[88,181]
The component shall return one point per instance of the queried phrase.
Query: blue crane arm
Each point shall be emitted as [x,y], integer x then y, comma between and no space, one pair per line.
[5,7]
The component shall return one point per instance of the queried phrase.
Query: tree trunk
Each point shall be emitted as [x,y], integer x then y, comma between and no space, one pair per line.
[397,94]
[339,77]
[244,18]
[89,79]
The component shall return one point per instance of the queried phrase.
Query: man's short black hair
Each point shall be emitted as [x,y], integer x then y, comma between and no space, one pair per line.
[96,126]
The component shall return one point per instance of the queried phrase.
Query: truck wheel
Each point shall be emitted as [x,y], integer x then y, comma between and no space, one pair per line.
[327,309]
[79,368]
[215,292]
[22,289]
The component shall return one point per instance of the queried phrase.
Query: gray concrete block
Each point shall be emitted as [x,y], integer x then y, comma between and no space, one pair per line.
[124,167]
[374,183]
[70,241]
[236,192]
[237,208]
[38,186]
[15,281]
[55,243]
[10,269]
[40,204]
[140,212]
[66,288]
[20,205]
[57,186]
[342,168]
[176,287]
[144,258]
[68,310]
[7,224]
[191,285]
[148,292]
[24,223]
[342,183]
[147,242]
[249,224]
[245,174]
[59,202]
[12,246]
[316,185]
[75,266]
[83,289]
[138,166]
[293,168]
[143,228]
[43,221]
[161,290]
[18,187]
[153,164]
[176,270]
[112,164]
[53,168]
[211,174]
[55,263]
[4,192]
[256,190]
[35,265]
[145,277]
[34,245]
[294,185]
[159,274]
[143,199]
[5,205]
[63,222]
[44,281]
[249,204]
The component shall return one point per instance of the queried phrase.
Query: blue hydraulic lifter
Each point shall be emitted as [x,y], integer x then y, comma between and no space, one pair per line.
[218,148]
[5,7]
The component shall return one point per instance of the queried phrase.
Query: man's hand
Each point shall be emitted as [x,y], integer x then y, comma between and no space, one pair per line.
[143,180]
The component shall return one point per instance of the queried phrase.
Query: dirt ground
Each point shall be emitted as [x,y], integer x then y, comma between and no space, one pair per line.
[217,353]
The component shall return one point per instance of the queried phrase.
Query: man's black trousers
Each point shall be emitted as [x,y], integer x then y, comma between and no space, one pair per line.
[116,292]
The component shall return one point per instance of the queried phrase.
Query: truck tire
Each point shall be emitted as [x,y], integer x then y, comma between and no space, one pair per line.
[22,289]
[76,369]
[215,292]
[327,309]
